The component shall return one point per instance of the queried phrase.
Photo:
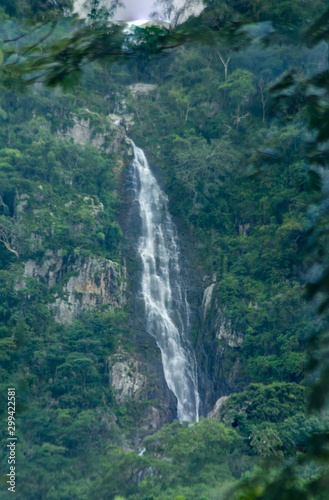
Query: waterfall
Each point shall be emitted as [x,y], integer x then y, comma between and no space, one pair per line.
[166,307]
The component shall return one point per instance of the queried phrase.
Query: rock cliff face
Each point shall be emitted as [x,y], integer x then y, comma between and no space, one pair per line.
[90,284]
[215,412]
[113,138]
[140,378]
[219,323]
[85,283]
[225,331]
[218,341]
[98,282]
[126,380]
[142,89]
[207,296]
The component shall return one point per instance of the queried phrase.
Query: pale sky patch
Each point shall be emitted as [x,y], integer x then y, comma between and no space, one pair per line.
[134,10]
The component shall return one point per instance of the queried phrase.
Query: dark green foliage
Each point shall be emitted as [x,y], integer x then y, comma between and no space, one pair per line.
[285,481]
[36,9]
[272,418]
[177,459]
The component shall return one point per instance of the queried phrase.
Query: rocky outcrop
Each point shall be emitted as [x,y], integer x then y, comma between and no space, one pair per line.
[48,271]
[153,419]
[83,131]
[126,380]
[217,347]
[207,296]
[141,89]
[98,282]
[137,378]
[214,413]
[90,284]
[225,331]
[219,322]
[125,120]
[122,118]
[21,203]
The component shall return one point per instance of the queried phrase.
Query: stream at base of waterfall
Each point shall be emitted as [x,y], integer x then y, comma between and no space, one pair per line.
[166,307]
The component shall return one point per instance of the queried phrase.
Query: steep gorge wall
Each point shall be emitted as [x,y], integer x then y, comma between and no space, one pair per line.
[91,282]
[216,336]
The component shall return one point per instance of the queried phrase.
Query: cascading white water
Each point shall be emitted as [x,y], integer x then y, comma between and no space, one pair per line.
[166,307]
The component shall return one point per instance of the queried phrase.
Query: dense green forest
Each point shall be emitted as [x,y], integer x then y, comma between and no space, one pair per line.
[234,164]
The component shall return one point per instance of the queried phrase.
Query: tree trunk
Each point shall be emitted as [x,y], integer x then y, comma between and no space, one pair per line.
[225,63]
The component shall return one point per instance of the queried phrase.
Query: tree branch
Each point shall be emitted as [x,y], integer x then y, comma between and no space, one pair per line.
[4,238]
[25,34]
